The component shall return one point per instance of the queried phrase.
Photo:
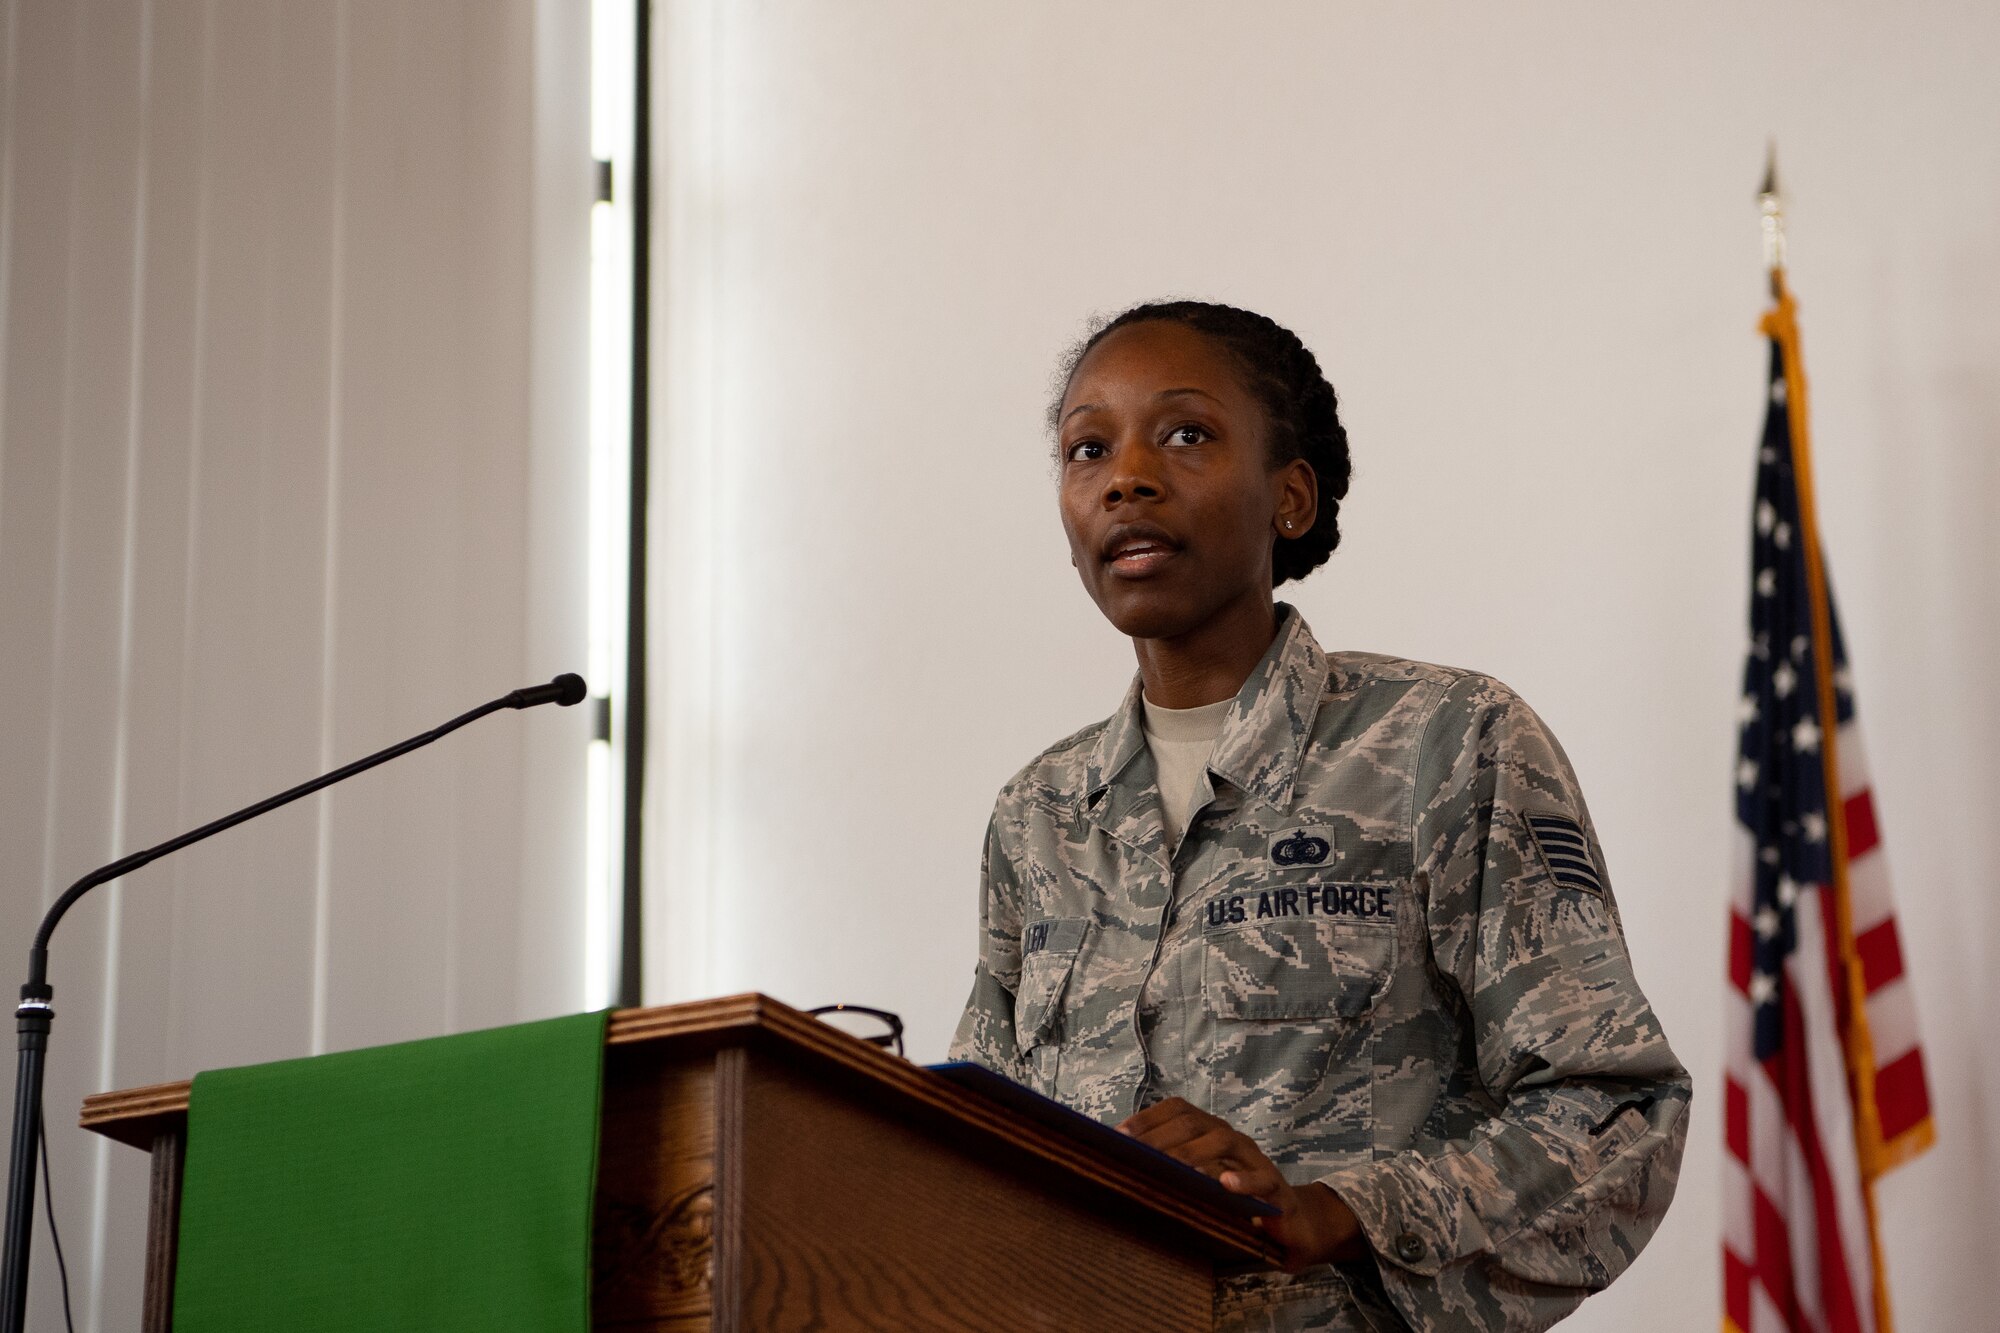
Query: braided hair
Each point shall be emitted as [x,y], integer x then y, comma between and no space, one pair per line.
[1285,378]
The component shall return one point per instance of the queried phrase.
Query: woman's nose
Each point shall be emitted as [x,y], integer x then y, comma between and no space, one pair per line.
[1135,475]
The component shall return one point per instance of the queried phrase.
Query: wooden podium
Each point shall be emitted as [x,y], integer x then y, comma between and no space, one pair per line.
[760,1170]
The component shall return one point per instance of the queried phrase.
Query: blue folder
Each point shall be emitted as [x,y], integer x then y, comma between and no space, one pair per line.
[1101,1139]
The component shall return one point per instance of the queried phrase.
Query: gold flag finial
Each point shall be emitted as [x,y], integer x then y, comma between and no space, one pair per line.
[1772,205]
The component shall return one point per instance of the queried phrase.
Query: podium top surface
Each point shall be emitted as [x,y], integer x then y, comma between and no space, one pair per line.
[137,1116]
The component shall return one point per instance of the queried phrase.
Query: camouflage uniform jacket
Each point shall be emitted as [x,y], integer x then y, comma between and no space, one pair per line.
[1385,949]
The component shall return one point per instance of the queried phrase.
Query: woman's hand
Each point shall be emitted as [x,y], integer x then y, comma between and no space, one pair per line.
[1312,1224]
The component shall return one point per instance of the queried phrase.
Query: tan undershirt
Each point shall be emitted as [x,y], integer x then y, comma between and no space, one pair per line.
[1181,740]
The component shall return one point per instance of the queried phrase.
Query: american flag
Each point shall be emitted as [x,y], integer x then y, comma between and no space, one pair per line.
[1825,1088]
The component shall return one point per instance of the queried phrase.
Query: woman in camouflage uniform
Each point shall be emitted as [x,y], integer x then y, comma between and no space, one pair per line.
[1331,927]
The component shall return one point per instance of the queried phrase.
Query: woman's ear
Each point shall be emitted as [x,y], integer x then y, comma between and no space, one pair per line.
[1297,498]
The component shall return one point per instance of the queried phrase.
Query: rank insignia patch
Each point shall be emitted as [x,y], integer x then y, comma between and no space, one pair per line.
[1567,852]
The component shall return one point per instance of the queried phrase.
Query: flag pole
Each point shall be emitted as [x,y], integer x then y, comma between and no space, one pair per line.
[1772,205]
[1781,325]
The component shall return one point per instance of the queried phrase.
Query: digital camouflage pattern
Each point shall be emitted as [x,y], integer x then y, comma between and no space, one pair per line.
[1364,955]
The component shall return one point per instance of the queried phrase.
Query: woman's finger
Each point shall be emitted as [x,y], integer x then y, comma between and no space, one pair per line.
[1181,1129]
[1218,1150]
[1159,1113]
[1258,1179]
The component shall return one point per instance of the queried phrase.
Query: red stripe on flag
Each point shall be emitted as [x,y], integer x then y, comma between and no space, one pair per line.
[1902,1099]
[1736,1119]
[1836,966]
[1735,1289]
[1788,1073]
[1774,1257]
[1862,835]
[1880,954]
[1739,952]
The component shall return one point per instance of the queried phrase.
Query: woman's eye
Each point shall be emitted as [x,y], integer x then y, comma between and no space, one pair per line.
[1187,434]
[1084,450]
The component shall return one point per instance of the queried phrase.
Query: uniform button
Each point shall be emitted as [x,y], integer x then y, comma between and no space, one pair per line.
[1409,1247]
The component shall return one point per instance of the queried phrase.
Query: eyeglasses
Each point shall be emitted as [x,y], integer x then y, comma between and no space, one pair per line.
[877,1027]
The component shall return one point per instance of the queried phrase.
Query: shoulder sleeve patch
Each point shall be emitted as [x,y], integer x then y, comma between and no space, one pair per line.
[1566,852]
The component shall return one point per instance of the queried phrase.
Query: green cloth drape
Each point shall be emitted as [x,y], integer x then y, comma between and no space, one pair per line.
[437,1185]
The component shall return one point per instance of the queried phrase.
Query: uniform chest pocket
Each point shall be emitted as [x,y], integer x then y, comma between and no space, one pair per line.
[1048,956]
[1297,969]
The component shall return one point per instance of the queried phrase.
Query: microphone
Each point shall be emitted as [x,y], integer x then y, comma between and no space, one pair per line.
[36,1011]
[566,689]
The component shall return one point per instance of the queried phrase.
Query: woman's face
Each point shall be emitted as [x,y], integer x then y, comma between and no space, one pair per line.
[1168,495]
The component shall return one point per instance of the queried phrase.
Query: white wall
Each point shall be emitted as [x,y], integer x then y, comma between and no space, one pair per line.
[1524,242]
[292,406]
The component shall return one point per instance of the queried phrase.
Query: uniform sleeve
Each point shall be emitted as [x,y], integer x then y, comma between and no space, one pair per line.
[1552,1197]
[986,1029]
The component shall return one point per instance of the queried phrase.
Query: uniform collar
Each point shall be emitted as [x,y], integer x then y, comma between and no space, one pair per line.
[1263,736]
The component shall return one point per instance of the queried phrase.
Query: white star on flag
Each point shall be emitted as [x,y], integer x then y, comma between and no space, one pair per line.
[1767,517]
[1805,736]
[1782,535]
[1762,988]
[1746,710]
[1813,826]
[1784,679]
[1767,582]
[1746,774]
[1766,923]
[1788,890]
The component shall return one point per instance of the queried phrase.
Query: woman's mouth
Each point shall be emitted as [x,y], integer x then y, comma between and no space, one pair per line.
[1140,556]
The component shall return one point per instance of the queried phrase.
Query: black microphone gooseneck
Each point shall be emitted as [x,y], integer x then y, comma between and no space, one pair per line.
[36,1011]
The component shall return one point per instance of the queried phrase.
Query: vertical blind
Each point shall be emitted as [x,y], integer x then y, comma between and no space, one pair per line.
[293,396]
